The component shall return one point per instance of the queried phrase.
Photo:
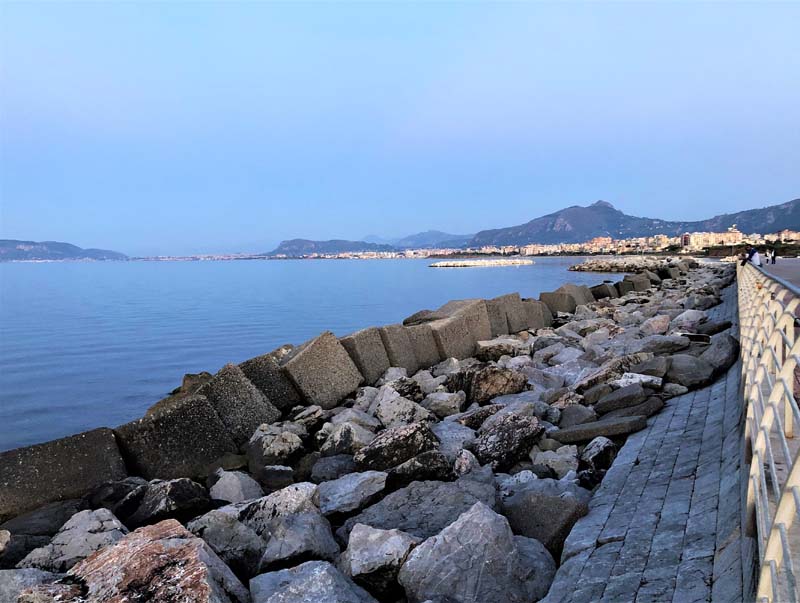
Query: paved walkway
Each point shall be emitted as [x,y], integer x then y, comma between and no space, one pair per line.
[787,269]
[664,526]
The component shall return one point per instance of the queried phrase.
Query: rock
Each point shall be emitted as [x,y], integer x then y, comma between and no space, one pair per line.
[633,378]
[430,465]
[14,581]
[465,463]
[446,367]
[494,349]
[673,389]
[275,477]
[240,405]
[297,537]
[604,291]
[423,509]
[537,314]
[332,467]
[350,492]
[640,281]
[477,416]
[398,347]
[396,445]
[660,344]
[394,412]
[181,499]
[508,441]
[453,437]
[657,325]
[152,564]
[622,398]
[689,371]
[84,533]
[259,514]
[346,438]
[722,353]
[46,520]
[713,327]
[310,582]
[393,373]
[235,486]
[598,454]
[657,367]
[688,320]
[408,389]
[561,461]
[624,287]
[484,383]
[647,408]
[272,445]
[604,427]
[443,567]
[611,369]
[558,302]
[467,323]
[423,344]
[576,414]
[593,394]
[322,371]
[237,544]
[444,404]
[373,558]
[265,373]
[546,509]
[61,469]
[367,351]
[423,317]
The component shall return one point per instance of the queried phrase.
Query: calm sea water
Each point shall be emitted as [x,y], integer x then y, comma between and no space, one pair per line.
[85,345]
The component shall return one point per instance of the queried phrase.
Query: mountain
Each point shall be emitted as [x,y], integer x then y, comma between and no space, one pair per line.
[577,224]
[296,248]
[432,238]
[11,250]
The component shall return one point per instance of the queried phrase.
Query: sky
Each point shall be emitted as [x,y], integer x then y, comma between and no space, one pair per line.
[180,128]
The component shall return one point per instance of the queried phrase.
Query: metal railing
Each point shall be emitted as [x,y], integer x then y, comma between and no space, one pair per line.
[770,349]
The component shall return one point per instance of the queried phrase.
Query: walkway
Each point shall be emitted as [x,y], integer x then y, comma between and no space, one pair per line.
[665,523]
[786,269]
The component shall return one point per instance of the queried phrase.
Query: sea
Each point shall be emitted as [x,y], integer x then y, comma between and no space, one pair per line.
[92,344]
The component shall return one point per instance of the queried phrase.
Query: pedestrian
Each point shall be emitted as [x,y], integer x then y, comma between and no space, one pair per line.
[755,258]
[773,256]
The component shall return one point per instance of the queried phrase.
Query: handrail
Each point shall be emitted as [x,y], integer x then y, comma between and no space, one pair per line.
[770,350]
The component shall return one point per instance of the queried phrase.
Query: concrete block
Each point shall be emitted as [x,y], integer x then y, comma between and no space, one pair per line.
[239,403]
[640,281]
[604,290]
[496,310]
[506,314]
[467,323]
[398,347]
[182,440]
[537,314]
[424,344]
[322,371]
[624,287]
[265,373]
[367,351]
[581,293]
[66,468]
[559,302]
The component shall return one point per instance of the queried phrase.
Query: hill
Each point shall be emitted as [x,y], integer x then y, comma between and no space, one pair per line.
[13,250]
[296,248]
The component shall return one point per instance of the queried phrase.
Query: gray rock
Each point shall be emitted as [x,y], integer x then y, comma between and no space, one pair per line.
[322,371]
[396,445]
[332,467]
[689,320]
[14,581]
[562,460]
[258,515]
[346,438]
[647,408]
[367,351]
[235,486]
[178,498]
[598,454]
[272,445]
[350,492]
[660,344]
[373,558]
[465,463]
[444,404]
[48,519]
[534,555]
[624,397]
[356,417]
[240,404]
[84,533]
[657,367]
[430,465]
[673,389]
[594,393]
[310,582]
[275,477]
[446,367]
[689,371]
[507,441]
[483,383]
[576,414]
[657,325]
[722,353]
[237,544]
[298,536]
[546,509]
[443,567]
[453,437]
[606,427]
[394,412]
[266,374]
[423,509]
[624,287]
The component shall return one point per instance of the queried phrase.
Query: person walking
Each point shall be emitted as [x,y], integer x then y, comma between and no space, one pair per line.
[755,258]
[772,256]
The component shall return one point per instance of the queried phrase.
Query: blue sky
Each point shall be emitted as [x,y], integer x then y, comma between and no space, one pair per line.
[198,127]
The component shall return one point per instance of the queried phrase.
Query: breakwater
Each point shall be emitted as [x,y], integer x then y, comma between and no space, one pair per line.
[344,466]
[480,263]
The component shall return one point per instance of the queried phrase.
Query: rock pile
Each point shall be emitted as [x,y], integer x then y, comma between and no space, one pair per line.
[394,490]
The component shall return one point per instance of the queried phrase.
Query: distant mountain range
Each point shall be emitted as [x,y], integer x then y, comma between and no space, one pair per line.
[575,224]
[12,250]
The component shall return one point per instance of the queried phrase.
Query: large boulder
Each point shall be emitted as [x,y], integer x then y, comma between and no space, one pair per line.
[395,445]
[639,281]
[443,568]
[296,537]
[580,293]
[606,427]
[350,492]
[180,499]
[368,353]
[604,291]
[722,353]
[373,558]
[689,371]
[396,411]
[310,582]
[424,344]
[182,439]
[429,465]
[398,347]
[507,441]
[423,509]
[467,323]
[322,371]
[14,581]
[332,467]
[236,543]
[622,398]
[239,403]
[559,302]
[444,404]
[506,314]
[234,487]
[453,438]
[660,344]
[272,445]
[65,468]
[266,374]
[537,314]
[151,564]
[576,414]
[483,383]
[346,438]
